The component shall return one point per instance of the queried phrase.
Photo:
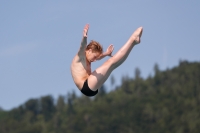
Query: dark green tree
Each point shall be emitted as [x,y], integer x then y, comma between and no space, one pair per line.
[33,106]
[47,106]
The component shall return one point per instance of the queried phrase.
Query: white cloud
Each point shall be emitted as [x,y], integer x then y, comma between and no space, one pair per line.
[17,49]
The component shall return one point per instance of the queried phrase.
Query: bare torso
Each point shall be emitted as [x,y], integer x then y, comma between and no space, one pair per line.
[80,70]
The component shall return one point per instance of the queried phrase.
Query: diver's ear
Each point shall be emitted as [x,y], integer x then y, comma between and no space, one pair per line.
[90,50]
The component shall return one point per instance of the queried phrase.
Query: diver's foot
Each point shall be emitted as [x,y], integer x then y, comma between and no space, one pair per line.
[137,34]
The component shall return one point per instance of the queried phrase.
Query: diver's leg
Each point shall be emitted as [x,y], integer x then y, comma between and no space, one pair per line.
[100,75]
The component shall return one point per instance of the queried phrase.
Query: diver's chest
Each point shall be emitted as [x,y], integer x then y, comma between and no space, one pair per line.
[88,68]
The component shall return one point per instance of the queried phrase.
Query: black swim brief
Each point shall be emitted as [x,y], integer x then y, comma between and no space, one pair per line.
[87,91]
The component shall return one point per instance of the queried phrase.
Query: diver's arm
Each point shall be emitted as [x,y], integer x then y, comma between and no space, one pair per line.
[81,51]
[107,53]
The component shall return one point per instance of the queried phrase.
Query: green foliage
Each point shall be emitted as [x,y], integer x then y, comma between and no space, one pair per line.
[33,106]
[47,107]
[168,102]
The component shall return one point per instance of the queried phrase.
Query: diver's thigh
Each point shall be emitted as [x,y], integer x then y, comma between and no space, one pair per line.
[99,76]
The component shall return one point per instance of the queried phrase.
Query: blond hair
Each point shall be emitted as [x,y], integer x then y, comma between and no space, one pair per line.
[95,47]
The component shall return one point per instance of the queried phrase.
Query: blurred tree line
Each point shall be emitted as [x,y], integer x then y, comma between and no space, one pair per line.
[168,102]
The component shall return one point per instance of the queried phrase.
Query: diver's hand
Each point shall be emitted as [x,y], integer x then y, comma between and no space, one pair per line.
[110,50]
[85,30]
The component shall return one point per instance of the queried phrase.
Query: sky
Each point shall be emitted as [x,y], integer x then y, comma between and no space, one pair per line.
[38,40]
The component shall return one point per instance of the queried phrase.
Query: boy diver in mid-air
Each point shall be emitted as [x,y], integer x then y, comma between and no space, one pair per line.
[89,82]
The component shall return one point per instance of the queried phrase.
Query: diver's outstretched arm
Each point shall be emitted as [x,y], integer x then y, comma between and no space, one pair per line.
[81,51]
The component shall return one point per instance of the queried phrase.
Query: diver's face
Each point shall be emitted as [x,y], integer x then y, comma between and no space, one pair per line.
[92,56]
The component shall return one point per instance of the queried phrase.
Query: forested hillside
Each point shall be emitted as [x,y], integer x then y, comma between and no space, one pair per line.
[168,102]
